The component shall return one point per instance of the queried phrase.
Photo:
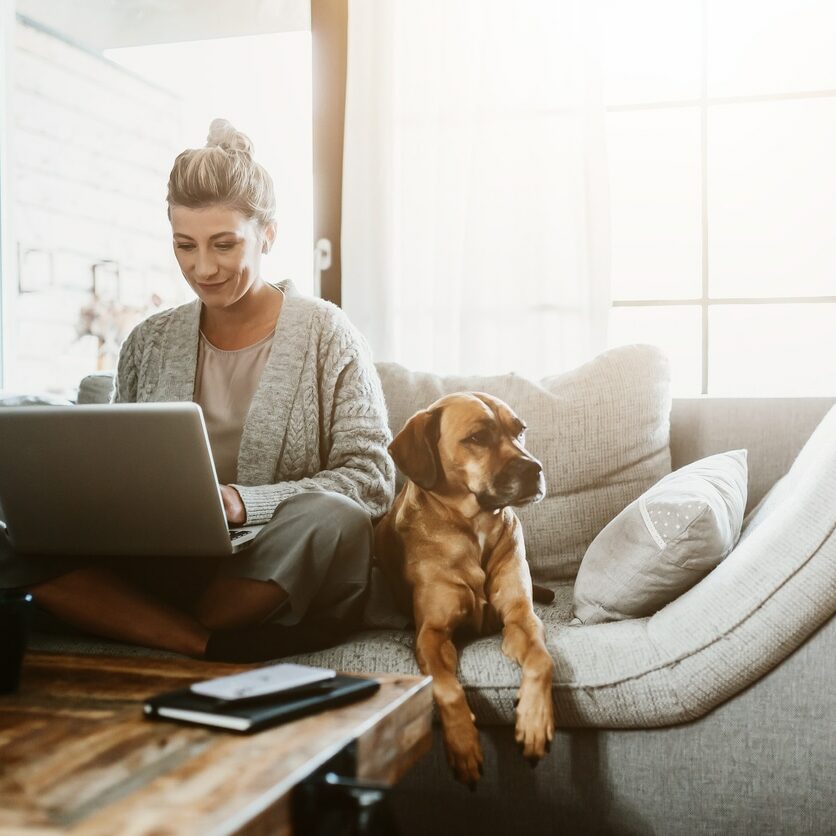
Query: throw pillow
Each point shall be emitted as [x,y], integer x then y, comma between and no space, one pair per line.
[12,399]
[664,542]
[601,431]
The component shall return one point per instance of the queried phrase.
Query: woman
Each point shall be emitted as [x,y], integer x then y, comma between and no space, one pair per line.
[297,427]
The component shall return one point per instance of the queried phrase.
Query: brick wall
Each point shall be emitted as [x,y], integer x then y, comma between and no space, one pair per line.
[91,148]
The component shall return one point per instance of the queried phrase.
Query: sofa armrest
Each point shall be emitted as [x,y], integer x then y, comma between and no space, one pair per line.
[95,388]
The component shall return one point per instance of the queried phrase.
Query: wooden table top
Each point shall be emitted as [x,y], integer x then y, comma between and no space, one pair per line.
[78,756]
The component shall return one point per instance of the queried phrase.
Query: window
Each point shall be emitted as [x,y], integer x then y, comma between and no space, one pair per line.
[99,108]
[721,125]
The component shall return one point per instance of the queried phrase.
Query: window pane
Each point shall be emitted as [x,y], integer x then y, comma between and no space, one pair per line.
[772,199]
[773,46]
[772,349]
[675,329]
[654,161]
[643,36]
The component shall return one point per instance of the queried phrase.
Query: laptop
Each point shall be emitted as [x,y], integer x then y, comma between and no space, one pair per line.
[113,479]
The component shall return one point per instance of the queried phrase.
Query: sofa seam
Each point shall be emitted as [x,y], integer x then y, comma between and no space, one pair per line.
[651,528]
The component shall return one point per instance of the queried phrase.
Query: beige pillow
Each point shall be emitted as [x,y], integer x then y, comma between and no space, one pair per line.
[663,543]
[601,431]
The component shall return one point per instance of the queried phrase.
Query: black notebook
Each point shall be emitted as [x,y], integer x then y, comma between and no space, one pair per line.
[252,714]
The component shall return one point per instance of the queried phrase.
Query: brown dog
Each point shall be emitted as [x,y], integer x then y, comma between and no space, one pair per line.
[453,551]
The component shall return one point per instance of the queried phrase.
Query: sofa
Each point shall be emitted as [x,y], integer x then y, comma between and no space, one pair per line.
[716,714]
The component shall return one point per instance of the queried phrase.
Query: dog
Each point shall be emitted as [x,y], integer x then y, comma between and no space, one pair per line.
[453,552]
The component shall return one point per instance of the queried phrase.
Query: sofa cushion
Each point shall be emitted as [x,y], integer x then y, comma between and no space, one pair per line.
[601,432]
[664,542]
[490,678]
[95,388]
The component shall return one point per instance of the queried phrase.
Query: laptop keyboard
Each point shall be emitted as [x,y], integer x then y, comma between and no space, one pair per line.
[234,535]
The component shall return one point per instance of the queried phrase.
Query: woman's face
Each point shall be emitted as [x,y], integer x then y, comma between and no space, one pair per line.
[219,251]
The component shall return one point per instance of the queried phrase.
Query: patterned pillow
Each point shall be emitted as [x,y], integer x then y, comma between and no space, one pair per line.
[663,543]
[601,431]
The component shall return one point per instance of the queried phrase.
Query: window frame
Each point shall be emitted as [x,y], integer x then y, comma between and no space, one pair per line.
[329,34]
[7,266]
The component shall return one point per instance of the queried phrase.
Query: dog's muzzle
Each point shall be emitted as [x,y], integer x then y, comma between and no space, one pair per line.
[521,481]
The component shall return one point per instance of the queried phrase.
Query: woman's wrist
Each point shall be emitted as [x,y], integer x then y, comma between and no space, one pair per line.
[236,512]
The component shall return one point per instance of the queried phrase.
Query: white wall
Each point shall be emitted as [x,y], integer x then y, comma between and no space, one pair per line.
[90,151]
[91,148]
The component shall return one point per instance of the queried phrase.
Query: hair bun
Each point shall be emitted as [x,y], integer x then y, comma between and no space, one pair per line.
[222,133]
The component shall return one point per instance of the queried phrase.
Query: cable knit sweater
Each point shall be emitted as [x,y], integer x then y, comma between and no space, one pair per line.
[317,420]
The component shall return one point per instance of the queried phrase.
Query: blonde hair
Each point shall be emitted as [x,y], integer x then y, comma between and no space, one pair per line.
[222,172]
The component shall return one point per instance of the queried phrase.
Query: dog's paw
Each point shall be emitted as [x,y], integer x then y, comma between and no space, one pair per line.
[534,730]
[464,753]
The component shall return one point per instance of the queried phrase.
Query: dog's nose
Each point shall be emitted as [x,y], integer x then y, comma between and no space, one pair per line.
[524,471]
[521,480]
[530,468]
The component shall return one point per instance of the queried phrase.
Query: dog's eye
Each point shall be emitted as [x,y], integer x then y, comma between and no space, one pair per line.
[480,438]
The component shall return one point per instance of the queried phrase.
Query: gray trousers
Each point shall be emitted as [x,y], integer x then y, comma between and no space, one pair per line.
[317,547]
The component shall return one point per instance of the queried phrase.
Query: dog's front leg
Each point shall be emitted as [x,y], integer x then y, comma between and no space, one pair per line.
[437,657]
[524,641]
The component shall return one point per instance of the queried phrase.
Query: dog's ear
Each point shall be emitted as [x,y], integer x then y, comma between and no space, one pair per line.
[415,448]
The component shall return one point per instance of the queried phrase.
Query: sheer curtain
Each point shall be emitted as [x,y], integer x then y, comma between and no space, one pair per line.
[475,234]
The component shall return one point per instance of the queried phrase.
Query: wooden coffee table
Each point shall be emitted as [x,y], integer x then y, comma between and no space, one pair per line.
[77,755]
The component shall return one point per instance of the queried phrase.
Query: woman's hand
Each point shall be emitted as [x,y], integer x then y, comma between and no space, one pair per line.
[236,513]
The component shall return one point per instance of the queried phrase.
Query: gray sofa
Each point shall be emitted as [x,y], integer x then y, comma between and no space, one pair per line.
[717,714]
[760,761]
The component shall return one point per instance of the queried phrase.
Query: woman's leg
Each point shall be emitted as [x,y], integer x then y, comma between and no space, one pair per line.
[313,557]
[235,602]
[100,602]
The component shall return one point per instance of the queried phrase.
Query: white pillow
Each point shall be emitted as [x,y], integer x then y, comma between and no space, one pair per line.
[664,542]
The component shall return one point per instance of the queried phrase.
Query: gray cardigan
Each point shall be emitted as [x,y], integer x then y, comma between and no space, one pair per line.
[317,420]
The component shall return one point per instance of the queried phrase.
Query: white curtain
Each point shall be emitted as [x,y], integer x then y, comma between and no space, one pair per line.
[475,234]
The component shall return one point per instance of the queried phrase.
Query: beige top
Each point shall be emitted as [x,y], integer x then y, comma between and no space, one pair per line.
[225,382]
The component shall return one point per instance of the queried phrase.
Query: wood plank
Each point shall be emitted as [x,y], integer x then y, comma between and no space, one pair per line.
[388,750]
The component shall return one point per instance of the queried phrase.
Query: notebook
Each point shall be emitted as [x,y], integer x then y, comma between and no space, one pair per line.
[252,714]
